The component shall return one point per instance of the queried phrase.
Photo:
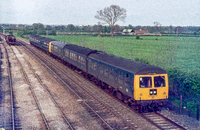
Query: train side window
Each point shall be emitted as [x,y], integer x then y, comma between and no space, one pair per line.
[70,55]
[116,75]
[120,79]
[89,63]
[101,68]
[127,79]
[106,70]
[83,60]
[111,75]
[79,59]
[92,63]
[75,57]
[56,49]
[66,53]
[95,65]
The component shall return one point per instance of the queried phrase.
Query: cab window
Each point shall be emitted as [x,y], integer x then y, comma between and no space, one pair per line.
[159,81]
[145,82]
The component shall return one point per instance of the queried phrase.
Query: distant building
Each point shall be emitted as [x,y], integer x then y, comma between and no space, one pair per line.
[128,32]
[141,32]
[146,33]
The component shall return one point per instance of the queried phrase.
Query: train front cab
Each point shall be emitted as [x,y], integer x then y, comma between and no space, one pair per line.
[151,89]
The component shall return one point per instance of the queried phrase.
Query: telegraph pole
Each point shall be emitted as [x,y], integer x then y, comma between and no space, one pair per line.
[3,29]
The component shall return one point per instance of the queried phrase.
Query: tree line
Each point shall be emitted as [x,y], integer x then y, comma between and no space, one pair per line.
[40,29]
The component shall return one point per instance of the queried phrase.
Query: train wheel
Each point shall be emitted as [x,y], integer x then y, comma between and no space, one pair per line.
[120,96]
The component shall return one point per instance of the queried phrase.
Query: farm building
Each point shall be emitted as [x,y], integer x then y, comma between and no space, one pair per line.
[127,32]
[141,32]
[146,33]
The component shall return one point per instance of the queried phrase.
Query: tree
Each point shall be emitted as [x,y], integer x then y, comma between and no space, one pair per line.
[111,15]
[71,28]
[39,29]
[157,24]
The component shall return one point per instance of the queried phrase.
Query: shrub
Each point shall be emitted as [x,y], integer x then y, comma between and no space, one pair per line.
[142,60]
[137,37]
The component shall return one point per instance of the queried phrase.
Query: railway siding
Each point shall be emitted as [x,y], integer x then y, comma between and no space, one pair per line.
[5,97]
[48,108]
[24,102]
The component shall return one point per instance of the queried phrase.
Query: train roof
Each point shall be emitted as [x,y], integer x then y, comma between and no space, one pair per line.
[127,64]
[42,38]
[59,44]
[79,49]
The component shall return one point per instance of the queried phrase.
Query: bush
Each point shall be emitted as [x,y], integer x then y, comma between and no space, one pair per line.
[142,60]
[137,37]
[183,83]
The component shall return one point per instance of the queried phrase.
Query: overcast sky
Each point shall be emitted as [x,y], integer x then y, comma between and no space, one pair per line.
[82,12]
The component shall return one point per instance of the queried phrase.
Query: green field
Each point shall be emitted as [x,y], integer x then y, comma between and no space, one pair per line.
[165,52]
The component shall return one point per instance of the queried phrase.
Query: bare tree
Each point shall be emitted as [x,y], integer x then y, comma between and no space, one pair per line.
[111,15]
[157,24]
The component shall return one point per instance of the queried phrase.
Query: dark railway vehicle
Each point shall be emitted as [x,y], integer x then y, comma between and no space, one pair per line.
[10,39]
[140,85]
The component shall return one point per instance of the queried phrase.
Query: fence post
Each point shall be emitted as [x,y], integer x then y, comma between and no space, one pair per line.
[172,106]
[180,104]
[189,112]
[198,111]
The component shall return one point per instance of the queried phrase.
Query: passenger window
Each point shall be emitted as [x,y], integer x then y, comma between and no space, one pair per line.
[66,53]
[111,73]
[56,48]
[101,68]
[75,57]
[71,55]
[116,75]
[89,63]
[145,82]
[92,65]
[95,65]
[159,81]
[106,70]
[127,80]
[83,60]
[120,79]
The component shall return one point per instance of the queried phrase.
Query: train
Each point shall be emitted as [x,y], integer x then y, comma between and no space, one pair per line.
[10,39]
[142,86]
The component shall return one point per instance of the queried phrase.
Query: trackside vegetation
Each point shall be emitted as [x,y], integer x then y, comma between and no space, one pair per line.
[179,56]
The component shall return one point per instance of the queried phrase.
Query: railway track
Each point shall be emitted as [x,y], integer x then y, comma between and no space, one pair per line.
[7,111]
[107,117]
[35,83]
[162,122]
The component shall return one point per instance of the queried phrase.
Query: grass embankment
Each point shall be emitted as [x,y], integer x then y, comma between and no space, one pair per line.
[165,52]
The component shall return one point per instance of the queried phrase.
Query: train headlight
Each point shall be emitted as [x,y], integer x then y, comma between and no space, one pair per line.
[164,93]
[141,94]
[153,92]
